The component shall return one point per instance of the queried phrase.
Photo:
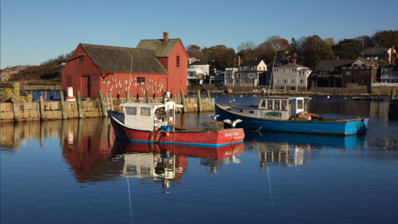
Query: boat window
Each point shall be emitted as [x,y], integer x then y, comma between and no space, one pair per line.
[131,110]
[263,104]
[277,104]
[241,111]
[300,104]
[269,103]
[252,112]
[145,111]
[284,104]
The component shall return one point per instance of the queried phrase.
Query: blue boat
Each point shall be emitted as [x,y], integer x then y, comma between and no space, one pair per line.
[288,114]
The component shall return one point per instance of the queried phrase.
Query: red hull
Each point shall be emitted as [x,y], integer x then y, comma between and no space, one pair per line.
[184,150]
[203,139]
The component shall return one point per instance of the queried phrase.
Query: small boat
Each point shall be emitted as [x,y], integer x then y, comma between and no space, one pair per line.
[154,122]
[287,114]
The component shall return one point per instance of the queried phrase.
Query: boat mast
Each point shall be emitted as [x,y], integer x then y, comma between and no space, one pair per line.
[270,80]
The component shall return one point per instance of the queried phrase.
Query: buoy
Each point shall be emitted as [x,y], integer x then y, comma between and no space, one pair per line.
[167,134]
[328,97]
[240,95]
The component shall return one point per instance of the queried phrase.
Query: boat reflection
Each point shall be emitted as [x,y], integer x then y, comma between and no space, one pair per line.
[289,149]
[165,164]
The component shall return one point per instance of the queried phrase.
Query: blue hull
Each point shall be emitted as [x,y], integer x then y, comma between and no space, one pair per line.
[328,127]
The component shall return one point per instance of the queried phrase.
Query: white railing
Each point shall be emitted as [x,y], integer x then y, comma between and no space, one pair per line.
[384,84]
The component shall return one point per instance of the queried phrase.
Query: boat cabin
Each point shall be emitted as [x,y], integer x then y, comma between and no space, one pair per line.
[274,107]
[144,116]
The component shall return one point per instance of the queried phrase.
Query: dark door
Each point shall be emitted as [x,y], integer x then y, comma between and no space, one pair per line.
[86,86]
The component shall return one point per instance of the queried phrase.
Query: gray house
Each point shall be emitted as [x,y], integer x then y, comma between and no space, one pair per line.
[291,76]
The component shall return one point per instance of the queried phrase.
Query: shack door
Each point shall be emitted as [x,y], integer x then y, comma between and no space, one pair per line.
[86,86]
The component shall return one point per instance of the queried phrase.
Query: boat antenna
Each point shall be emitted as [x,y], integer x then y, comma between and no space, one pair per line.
[270,80]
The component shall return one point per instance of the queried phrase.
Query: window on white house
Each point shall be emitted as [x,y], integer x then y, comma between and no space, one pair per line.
[301,81]
[276,70]
[294,70]
[285,81]
[292,81]
[284,70]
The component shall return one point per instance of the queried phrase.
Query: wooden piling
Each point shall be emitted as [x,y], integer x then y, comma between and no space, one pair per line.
[391,105]
[199,102]
[184,108]
[147,95]
[63,109]
[104,111]
[127,96]
[45,95]
[79,132]
[208,94]
[15,107]
[51,94]
[79,105]
[41,104]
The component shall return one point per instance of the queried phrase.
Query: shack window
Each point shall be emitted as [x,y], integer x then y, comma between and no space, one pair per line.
[141,80]
[145,111]
[81,60]
[131,110]
[300,104]
[178,61]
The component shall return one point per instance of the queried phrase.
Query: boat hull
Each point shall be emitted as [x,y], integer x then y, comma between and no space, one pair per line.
[194,138]
[329,127]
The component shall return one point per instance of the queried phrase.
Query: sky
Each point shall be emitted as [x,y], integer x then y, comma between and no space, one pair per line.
[33,32]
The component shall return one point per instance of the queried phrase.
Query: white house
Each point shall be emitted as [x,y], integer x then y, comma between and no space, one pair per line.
[197,72]
[291,76]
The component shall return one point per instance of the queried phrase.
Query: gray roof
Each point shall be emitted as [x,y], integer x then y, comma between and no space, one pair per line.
[118,59]
[292,65]
[375,50]
[250,63]
[198,63]
[162,49]
[330,65]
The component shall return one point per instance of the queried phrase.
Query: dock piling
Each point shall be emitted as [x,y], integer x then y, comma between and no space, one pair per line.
[63,110]
[104,111]
[79,104]
[184,108]
[199,102]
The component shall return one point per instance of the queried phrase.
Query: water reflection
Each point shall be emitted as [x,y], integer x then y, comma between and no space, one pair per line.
[289,149]
[166,164]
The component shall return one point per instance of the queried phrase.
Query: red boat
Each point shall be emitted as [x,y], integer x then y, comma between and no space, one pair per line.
[154,122]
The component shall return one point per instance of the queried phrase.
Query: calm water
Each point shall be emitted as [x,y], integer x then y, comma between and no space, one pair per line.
[75,172]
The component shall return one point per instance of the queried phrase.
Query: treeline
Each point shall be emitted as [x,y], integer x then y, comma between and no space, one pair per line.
[307,51]
[48,70]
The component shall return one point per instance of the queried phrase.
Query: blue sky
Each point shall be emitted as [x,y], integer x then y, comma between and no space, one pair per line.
[35,31]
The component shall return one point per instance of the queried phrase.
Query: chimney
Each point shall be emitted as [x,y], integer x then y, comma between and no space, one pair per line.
[392,54]
[294,61]
[337,58]
[238,61]
[165,36]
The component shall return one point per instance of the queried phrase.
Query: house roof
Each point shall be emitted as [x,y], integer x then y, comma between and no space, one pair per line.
[330,65]
[292,65]
[375,50]
[250,63]
[124,59]
[198,63]
[162,49]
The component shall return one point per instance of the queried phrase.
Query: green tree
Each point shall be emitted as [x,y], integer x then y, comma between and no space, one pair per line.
[366,41]
[311,50]
[386,38]
[348,49]
[247,51]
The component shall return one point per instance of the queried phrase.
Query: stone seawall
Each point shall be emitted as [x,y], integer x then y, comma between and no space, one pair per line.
[33,111]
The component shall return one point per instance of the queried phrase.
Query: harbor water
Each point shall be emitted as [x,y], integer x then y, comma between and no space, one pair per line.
[74,171]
